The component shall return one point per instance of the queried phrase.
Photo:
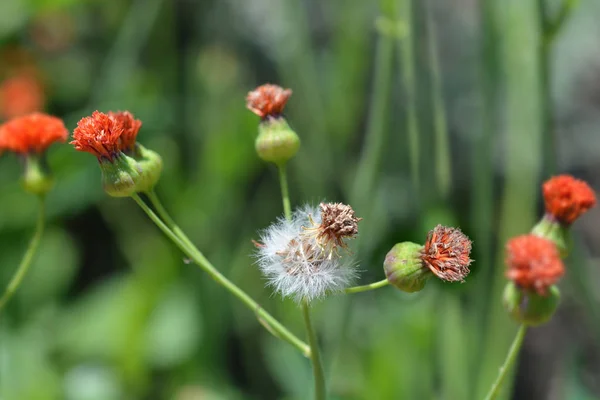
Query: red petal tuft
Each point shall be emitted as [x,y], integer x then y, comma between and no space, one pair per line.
[446,253]
[268,100]
[533,263]
[32,133]
[566,198]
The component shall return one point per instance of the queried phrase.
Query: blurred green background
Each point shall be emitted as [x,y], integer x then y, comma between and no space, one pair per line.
[415,112]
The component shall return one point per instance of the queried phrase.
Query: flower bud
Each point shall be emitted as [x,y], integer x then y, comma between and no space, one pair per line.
[404,268]
[276,141]
[121,175]
[36,178]
[556,232]
[150,164]
[528,306]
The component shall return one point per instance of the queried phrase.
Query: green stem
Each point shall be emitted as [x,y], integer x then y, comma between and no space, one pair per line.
[162,212]
[266,319]
[510,359]
[27,258]
[285,194]
[370,286]
[315,355]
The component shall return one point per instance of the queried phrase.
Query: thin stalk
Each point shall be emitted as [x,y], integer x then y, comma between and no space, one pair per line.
[266,319]
[162,212]
[17,278]
[370,286]
[285,194]
[315,355]
[510,360]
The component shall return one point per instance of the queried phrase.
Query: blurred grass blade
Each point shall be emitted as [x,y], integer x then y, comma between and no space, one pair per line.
[522,162]
[407,60]
[443,166]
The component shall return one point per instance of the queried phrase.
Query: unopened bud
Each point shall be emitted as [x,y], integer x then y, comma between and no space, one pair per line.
[150,164]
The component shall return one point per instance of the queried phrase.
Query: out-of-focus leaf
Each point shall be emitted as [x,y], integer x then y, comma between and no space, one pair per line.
[92,382]
[175,328]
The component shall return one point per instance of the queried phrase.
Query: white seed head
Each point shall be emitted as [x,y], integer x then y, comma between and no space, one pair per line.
[296,264]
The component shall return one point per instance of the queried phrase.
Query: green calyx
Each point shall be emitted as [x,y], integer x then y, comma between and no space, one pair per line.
[120,175]
[529,307]
[276,141]
[36,178]
[135,172]
[151,166]
[404,269]
[556,232]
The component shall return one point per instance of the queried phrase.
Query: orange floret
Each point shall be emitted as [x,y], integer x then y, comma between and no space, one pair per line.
[32,133]
[446,253]
[566,198]
[268,100]
[533,263]
[99,135]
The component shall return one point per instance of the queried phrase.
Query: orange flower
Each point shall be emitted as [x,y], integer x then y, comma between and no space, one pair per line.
[268,100]
[131,127]
[22,94]
[533,263]
[32,133]
[106,135]
[566,198]
[446,253]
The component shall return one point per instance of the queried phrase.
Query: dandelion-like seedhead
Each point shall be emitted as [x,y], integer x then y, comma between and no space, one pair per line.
[300,260]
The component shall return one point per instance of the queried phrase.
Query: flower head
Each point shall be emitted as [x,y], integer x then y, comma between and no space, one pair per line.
[268,100]
[296,263]
[99,135]
[533,263]
[131,127]
[20,95]
[338,222]
[566,198]
[32,133]
[446,253]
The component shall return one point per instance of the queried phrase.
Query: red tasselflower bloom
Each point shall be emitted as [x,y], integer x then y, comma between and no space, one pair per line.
[566,198]
[102,135]
[446,253]
[268,100]
[32,133]
[533,263]
[131,127]
[20,95]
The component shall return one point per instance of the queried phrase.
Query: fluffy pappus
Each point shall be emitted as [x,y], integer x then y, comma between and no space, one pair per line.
[296,264]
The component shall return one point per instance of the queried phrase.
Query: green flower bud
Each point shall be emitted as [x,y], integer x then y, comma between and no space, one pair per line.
[121,175]
[150,164]
[555,232]
[36,178]
[276,141]
[404,268]
[529,307]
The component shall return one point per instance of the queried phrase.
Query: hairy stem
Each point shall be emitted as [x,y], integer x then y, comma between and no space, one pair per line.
[17,278]
[510,360]
[370,286]
[266,319]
